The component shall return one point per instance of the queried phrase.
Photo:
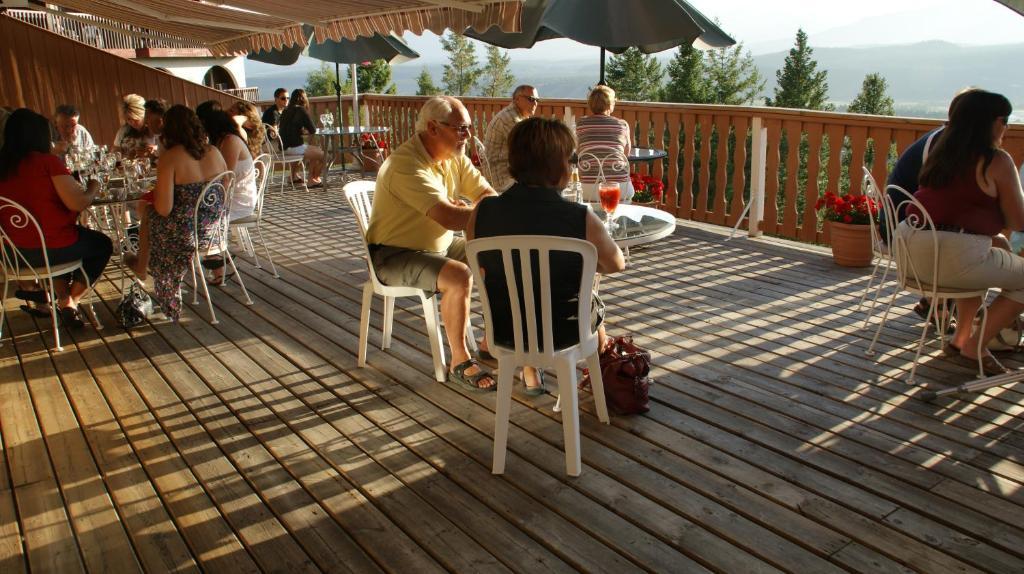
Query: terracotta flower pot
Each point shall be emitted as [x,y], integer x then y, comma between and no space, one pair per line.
[851,244]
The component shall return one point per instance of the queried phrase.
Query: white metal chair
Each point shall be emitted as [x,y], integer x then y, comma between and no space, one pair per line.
[16,268]
[533,343]
[357,193]
[607,159]
[284,161]
[216,195]
[261,165]
[882,252]
[910,277]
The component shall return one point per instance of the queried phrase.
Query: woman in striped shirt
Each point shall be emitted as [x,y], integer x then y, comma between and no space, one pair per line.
[605,137]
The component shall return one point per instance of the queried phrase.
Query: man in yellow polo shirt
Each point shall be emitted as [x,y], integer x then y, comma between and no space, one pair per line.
[416,208]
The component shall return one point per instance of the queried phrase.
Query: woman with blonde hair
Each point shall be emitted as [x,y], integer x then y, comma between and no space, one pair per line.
[602,134]
[248,118]
[133,137]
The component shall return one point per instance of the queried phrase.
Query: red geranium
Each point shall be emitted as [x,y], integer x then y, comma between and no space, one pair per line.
[646,188]
[855,209]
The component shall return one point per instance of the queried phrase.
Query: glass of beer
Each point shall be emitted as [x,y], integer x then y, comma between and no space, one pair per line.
[609,193]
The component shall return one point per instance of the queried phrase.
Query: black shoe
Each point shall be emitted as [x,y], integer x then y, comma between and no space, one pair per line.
[72,318]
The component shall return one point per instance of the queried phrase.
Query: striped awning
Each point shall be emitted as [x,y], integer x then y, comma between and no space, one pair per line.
[234,26]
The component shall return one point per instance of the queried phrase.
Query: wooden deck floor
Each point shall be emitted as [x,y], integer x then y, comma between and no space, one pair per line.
[256,444]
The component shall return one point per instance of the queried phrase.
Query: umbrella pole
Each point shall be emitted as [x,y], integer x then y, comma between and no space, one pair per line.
[337,91]
[602,67]
[355,93]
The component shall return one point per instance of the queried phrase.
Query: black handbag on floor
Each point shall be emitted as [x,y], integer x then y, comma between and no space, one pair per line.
[135,307]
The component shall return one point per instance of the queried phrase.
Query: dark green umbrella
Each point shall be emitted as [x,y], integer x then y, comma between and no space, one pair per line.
[614,25]
[390,48]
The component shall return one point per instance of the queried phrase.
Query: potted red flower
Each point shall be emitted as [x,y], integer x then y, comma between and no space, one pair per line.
[374,150]
[647,189]
[848,218]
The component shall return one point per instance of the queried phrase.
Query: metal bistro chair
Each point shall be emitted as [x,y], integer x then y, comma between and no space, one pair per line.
[604,158]
[533,343]
[16,268]
[261,165]
[882,251]
[913,280]
[283,161]
[216,195]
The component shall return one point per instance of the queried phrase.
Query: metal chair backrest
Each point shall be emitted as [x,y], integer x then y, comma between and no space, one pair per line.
[874,194]
[261,165]
[605,158]
[13,215]
[216,196]
[533,343]
[907,268]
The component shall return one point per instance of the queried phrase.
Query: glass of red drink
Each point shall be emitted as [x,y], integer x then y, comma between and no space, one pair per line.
[609,194]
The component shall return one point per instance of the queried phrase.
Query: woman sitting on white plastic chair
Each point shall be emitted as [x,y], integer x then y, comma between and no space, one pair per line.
[970,187]
[539,153]
[166,244]
[41,183]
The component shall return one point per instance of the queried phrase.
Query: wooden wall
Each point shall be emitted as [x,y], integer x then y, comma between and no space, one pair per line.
[41,70]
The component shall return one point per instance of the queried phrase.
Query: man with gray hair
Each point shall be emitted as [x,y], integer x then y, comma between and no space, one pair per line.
[416,209]
[69,133]
[524,105]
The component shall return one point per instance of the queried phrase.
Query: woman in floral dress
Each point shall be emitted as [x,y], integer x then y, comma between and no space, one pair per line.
[166,243]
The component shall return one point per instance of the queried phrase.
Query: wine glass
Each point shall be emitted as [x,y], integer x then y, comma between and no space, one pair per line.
[328,120]
[609,193]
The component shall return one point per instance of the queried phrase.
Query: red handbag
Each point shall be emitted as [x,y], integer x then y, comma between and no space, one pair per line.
[624,370]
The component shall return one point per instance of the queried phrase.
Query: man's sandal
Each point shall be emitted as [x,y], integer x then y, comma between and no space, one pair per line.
[539,389]
[457,376]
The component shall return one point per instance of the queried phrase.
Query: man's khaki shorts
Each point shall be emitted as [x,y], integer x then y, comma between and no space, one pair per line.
[398,266]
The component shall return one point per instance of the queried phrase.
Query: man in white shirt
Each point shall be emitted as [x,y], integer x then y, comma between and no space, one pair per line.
[524,105]
[69,132]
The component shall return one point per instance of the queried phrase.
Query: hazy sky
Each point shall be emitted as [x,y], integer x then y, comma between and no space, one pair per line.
[770,25]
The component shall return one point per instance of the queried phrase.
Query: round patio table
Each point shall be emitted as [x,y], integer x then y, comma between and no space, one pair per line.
[637,154]
[637,225]
[334,141]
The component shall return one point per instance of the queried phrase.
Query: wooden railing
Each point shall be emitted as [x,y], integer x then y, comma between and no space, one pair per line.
[723,158]
[101,32]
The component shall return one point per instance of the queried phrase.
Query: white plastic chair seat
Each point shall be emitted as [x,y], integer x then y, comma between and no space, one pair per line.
[533,348]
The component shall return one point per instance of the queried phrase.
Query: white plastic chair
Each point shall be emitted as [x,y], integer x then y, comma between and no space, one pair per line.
[244,224]
[918,283]
[17,268]
[283,161]
[530,346]
[357,193]
[217,190]
[882,252]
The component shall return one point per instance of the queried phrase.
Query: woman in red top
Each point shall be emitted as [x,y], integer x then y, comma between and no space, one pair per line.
[972,191]
[41,183]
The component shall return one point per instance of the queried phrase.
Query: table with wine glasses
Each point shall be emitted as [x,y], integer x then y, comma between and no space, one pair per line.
[336,146]
[636,224]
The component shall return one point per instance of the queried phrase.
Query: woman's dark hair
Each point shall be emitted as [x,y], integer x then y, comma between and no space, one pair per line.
[966,138]
[156,106]
[25,132]
[298,99]
[182,127]
[538,152]
[219,124]
[207,107]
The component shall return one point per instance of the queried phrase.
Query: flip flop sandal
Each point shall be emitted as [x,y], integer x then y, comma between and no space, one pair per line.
[212,263]
[539,389]
[457,376]
[223,280]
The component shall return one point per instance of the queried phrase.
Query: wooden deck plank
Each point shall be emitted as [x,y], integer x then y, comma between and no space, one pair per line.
[773,443]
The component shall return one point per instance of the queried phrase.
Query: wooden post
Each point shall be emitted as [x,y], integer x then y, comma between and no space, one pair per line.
[758,160]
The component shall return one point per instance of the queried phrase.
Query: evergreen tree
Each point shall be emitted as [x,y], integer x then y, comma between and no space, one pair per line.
[872,98]
[732,77]
[635,76]
[425,84]
[461,73]
[687,82]
[497,77]
[375,78]
[800,84]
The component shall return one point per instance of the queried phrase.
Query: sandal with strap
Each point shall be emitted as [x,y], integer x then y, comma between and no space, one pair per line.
[537,390]
[457,376]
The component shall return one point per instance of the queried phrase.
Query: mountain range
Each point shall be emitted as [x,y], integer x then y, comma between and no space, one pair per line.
[922,77]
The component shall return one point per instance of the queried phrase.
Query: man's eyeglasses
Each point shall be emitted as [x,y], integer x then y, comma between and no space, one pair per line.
[463,129]
[533,99]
